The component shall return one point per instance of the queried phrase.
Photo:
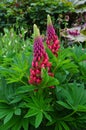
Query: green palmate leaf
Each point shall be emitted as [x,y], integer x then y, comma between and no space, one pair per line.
[74,96]
[32,103]
[25,89]
[82,117]
[69,118]
[63,54]
[38,107]
[81,108]
[6,92]
[52,81]
[52,57]
[36,102]
[83,57]
[64,62]
[31,112]
[78,95]
[18,111]
[83,67]
[17,125]
[81,95]
[8,125]
[71,67]
[51,123]
[62,76]
[17,70]
[4,112]
[48,80]
[38,120]
[78,53]
[8,117]
[47,116]
[66,105]
[17,99]
[58,127]
[4,106]
[45,77]
[25,124]
[3,101]
[65,126]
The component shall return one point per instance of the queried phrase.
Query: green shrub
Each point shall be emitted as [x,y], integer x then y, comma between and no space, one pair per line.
[26,13]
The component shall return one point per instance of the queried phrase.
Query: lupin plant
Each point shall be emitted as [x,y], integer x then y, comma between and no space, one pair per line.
[40,59]
[52,39]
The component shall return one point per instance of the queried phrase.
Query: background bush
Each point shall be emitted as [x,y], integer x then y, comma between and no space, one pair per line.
[25,13]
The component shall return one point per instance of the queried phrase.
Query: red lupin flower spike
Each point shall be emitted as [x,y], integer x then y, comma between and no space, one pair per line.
[52,39]
[40,59]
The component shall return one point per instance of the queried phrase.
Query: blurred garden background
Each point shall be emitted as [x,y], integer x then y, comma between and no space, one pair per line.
[43,65]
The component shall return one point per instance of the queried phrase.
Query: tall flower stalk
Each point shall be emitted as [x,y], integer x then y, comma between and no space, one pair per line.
[40,59]
[52,39]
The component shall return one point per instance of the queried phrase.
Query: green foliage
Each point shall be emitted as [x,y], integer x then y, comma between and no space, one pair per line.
[25,13]
[25,106]
[80,5]
[38,107]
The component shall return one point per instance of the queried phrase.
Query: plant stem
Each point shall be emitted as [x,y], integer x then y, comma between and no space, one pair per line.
[23,82]
[69,115]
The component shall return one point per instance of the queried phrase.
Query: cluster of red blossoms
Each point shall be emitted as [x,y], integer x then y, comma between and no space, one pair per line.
[52,39]
[40,57]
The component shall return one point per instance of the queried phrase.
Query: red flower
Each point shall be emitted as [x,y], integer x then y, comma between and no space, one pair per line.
[52,39]
[40,59]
